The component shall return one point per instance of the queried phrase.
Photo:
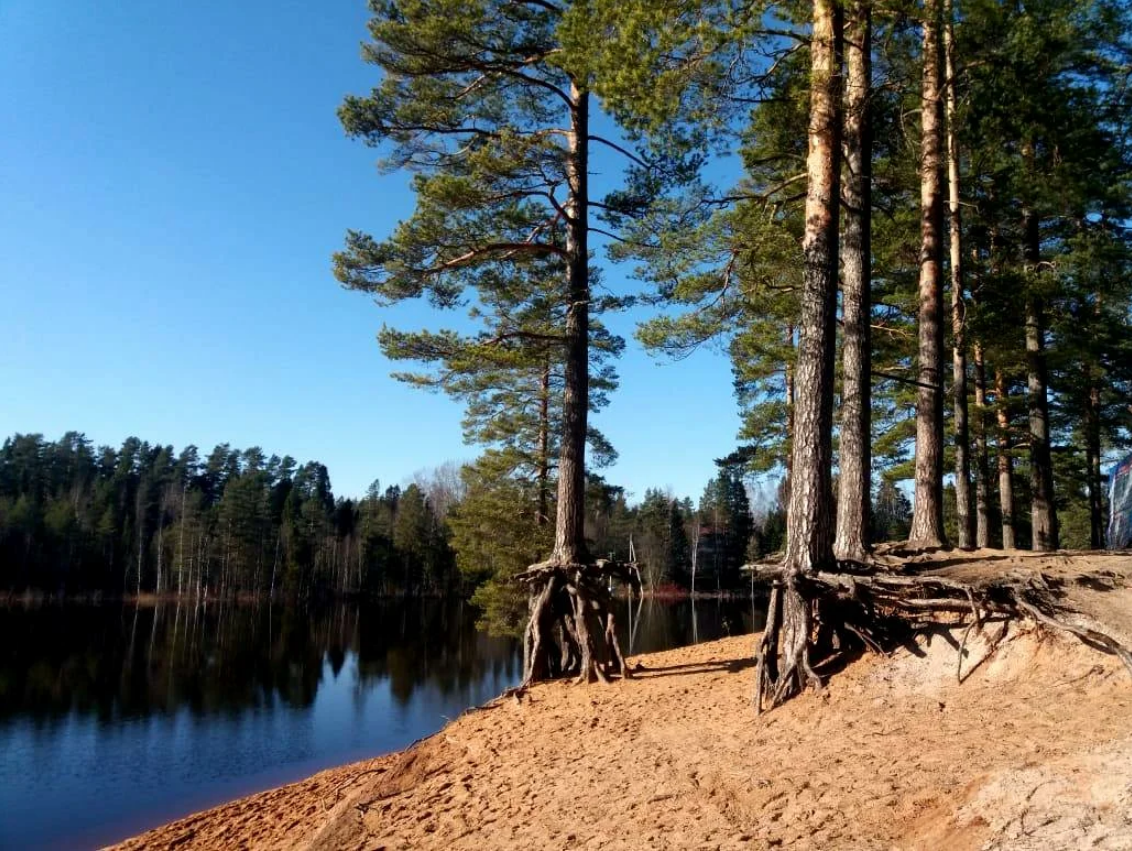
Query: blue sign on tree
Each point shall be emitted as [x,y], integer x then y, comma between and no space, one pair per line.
[1120,502]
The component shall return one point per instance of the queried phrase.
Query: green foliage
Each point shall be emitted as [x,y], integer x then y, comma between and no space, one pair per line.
[496,534]
[892,513]
[142,518]
[726,515]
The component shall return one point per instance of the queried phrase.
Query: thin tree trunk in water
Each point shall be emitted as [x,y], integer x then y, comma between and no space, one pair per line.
[1005,461]
[161,539]
[275,564]
[927,514]
[855,484]
[181,542]
[982,463]
[695,555]
[544,445]
[958,302]
[1043,514]
[569,541]
[141,534]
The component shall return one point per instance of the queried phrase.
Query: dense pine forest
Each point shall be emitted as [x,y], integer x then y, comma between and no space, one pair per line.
[145,518]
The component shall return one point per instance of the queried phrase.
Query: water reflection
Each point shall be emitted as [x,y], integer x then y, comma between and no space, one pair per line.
[117,663]
[123,717]
[651,624]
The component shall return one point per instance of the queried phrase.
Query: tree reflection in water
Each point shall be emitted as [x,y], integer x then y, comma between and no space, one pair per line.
[118,662]
[124,717]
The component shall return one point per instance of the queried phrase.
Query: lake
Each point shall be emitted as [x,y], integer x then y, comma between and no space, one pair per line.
[117,718]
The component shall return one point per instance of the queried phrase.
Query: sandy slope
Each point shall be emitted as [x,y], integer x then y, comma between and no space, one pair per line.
[1033,750]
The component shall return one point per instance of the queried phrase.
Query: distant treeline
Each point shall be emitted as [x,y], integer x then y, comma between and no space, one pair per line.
[143,518]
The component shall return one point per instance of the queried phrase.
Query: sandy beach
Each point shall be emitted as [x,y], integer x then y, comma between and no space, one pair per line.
[1032,750]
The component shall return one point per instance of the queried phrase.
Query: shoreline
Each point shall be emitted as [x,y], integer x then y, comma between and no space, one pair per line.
[1035,746]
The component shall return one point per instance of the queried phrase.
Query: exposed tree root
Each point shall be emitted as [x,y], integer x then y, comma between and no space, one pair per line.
[572,630]
[814,617]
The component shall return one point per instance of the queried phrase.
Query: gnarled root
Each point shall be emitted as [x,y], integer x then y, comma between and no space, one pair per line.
[815,616]
[572,630]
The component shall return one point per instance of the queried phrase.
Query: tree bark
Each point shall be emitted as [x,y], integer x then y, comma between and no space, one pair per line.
[1043,514]
[1005,461]
[982,463]
[1094,480]
[810,545]
[788,382]
[569,540]
[855,483]
[544,445]
[958,302]
[784,652]
[927,514]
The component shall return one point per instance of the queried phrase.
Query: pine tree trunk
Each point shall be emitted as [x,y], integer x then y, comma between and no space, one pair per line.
[982,462]
[788,387]
[569,540]
[958,302]
[855,483]
[1005,461]
[784,666]
[810,545]
[1042,511]
[927,515]
[544,446]
[1093,464]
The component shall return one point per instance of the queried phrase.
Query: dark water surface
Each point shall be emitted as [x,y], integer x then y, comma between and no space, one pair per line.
[117,718]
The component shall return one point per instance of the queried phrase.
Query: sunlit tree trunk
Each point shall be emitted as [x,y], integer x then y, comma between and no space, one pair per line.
[811,529]
[1005,460]
[958,303]
[982,463]
[854,494]
[927,514]
[784,664]
[569,541]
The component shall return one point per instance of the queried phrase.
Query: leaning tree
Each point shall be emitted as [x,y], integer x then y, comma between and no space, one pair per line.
[478,102]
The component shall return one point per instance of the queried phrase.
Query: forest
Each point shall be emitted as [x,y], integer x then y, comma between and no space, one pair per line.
[144,518]
[921,273]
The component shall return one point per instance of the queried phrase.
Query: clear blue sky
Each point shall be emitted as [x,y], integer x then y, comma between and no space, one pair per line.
[173,181]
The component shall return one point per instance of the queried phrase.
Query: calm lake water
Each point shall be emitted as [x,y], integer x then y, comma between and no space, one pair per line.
[117,718]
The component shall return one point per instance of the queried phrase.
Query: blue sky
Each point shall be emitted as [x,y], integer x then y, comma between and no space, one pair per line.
[173,181]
